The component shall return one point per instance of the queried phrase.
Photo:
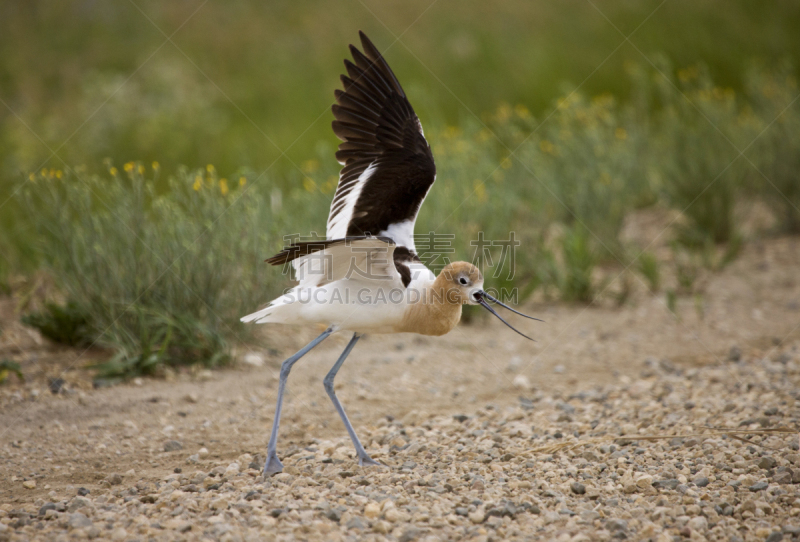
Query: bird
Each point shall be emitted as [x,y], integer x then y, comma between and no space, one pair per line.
[366,275]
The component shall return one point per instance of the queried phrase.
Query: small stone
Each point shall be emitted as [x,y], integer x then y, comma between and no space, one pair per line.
[577,488]
[775,536]
[254,358]
[783,477]
[82,491]
[172,445]
[478,516]
[29,484]
[672,483]
[191,397]
[616,524]
[79,521]
[45,507]
[114,479]
[758,486]
[701,482]
[521,382]
[767,462]
[355,523]
[735,353]
[333,514]
[56,385]
[372,510]
[77,503]
[699,524]
[409,535]
[382,527]
[462,511]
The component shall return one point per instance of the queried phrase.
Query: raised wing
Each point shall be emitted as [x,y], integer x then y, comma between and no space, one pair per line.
[388,165]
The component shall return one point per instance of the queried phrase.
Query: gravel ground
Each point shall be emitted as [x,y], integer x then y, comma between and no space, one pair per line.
[487,436]
[489,474]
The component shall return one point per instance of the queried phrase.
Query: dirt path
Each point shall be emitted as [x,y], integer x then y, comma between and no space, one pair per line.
[82,438]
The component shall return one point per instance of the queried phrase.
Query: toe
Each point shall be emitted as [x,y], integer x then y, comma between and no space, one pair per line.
[367,461]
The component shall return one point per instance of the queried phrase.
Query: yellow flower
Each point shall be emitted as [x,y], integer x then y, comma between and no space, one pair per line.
[480,190]
[59,174]
[44,172]
[688,74]
[621,133]
[128,167]
[210,168]
[522,111]
[31,177]
[330,184]
[506,163]
[242,180]
[198,183]
[503,112]
[547,147]
[223,186]
[141,169]
[451,132]
[309,184]
[156,166]
[310,166]
[113,171]
[52,172]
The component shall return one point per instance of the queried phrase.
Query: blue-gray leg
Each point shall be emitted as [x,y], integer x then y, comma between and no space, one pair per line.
[363,457]
[273,464]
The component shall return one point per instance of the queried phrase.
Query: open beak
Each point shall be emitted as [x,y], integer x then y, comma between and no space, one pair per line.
[493,300]
[481,297]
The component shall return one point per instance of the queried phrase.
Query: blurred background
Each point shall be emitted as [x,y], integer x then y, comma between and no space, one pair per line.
[153,154]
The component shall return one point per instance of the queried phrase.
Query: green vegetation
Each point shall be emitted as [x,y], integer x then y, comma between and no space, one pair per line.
[158,277]
[8,367]
[157,258]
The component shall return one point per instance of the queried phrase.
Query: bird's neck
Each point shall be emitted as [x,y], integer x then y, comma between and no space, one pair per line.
[437,311]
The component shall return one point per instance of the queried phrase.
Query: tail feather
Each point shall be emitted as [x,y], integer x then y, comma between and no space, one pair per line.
[258,315]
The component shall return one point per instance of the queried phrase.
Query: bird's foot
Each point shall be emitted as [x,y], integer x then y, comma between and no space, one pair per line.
[367,461]
[273,465]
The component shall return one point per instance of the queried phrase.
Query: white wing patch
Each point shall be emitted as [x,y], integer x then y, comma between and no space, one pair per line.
[401,233]
[337,226]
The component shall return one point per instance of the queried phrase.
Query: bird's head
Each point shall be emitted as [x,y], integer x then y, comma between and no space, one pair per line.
[463,281]
[464,285]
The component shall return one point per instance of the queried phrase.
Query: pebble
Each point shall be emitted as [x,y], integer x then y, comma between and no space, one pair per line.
[79,521]
[172,446]
[29,484]
[577,488]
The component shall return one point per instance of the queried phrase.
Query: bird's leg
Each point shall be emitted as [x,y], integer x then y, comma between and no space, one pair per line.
[363,457]
[273,464]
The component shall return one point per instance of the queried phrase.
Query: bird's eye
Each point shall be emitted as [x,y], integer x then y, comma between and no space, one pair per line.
[463,280]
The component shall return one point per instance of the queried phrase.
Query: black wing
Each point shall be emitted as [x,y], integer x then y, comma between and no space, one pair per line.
[388,164]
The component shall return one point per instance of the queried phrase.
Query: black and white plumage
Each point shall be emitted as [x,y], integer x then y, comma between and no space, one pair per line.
[366,276]
[388,165]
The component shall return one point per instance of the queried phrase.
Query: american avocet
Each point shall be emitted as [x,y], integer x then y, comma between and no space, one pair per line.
[366,276]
